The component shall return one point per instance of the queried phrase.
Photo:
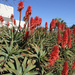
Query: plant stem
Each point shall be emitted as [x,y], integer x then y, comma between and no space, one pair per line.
[20,18]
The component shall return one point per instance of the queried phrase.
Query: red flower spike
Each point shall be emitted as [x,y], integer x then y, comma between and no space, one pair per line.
[29,10]
[12,16]
[1,19]
[41,28]
[11,30]
[46,25]
[14,22]
[62,26]
[19,27]
[7,23]
[52,24]
[62,45]
[59,37]
[59,26]
[28,13]
[31,21]
[69,42]
[20,6]
[69,31]
[65,69]
[54,55]
[26,34]
[65,37]
[73,65]
[40,21]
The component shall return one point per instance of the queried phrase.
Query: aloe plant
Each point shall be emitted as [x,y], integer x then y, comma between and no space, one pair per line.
[22,68]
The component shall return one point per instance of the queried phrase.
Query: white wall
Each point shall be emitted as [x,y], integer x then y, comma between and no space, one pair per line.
[6,10]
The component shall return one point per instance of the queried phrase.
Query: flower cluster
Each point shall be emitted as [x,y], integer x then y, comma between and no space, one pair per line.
[20,6]
[1,20]
[65,68]
[64,39]
[69,31]
[34,23]
[12,16]
[28,13]
[54,55]
[62,26]
[59,26]
[26,34]
[14,22]
[41,28]
[46,25]
[52,24]
[8,24]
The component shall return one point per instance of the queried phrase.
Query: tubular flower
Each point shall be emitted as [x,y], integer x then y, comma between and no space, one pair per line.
[28,13]
[65,69]
[41,28]
[7,23]
[52,24]
[73,65]
[69,31]
[59,26]
[26,34]
[36,21]
[54,55]
[65,37]
[59,37]
[12,16]
[14,22]
[40,21]
[62,26]
[19,27]
[20,6]
[46,25]
[11,30]
[69,42]
[62,45]
[31,21]
[29,10]
[1,20]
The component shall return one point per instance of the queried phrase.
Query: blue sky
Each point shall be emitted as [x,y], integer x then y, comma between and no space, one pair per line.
[47,10]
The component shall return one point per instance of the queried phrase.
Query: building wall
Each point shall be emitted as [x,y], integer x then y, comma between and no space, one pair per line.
[6,10]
